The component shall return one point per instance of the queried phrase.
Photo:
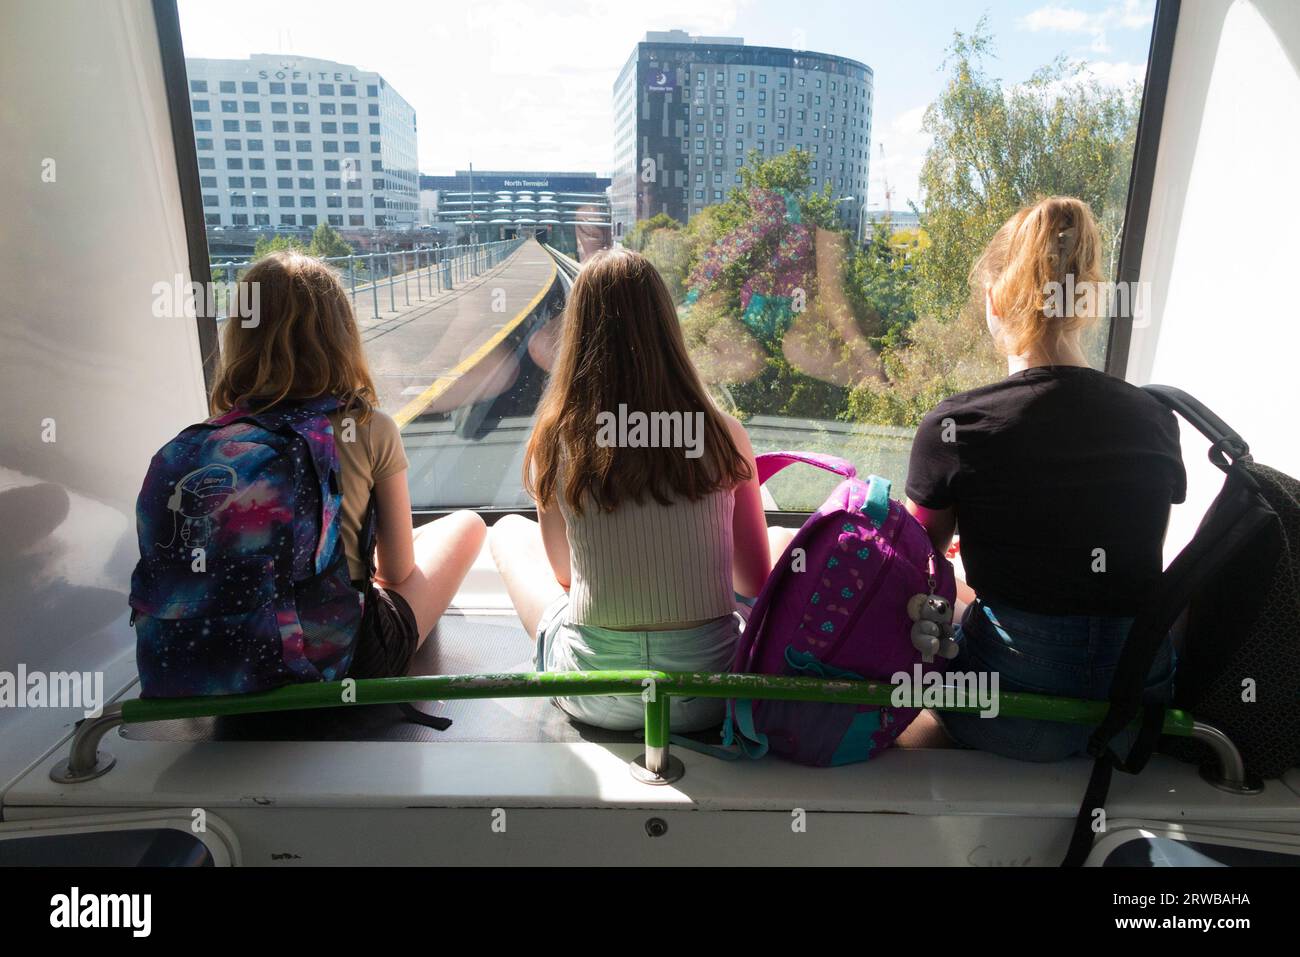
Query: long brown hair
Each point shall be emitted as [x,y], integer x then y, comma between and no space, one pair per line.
[1043,243]
[302,342]
[621,344]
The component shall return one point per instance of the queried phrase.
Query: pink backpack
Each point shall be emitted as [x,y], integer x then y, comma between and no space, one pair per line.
[860,593]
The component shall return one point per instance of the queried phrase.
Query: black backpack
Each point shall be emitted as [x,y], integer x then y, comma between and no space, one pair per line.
[1232,601]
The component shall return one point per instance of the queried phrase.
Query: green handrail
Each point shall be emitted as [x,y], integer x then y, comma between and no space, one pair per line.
[654,687]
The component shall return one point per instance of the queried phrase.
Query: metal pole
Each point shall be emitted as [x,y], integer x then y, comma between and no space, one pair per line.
[352,279]
[418,293]
[1231,774]
[374,286]
[406,280]
[85,761]
[656,766]
[392,301]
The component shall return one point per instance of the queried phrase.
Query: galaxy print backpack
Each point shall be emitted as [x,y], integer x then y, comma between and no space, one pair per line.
[242,583]
[860,593]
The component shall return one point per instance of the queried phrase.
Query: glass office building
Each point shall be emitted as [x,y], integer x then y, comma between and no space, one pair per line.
[688,110]
[295,142]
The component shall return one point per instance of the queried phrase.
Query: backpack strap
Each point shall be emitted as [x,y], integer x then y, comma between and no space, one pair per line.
[414,715]
[369,536]
[1233,522]
[769,463]
[1094,796]
[877,504]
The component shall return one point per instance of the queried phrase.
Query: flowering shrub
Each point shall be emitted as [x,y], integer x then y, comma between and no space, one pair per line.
[763,261]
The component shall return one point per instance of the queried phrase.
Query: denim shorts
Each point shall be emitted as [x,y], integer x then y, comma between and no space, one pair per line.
[1068,655]
[564,646]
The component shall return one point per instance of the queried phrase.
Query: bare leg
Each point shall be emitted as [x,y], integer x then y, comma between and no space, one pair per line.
[925,732]
[520,556]
[778,540]
[444,551]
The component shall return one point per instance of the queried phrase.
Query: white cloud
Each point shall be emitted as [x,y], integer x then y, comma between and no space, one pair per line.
[484,76]
[1058,19]
[1128,15]
[1115,73]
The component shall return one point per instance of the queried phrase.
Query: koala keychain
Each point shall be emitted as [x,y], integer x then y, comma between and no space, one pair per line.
[932,631]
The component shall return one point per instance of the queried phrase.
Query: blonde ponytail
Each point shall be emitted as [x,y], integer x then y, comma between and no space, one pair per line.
[1033,266]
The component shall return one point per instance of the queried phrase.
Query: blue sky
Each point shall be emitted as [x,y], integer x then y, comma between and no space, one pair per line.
[525,84]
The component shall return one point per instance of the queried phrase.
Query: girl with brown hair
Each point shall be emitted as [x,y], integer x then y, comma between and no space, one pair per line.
[649,514]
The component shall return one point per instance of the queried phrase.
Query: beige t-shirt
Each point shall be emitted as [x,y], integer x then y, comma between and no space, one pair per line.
[368,453]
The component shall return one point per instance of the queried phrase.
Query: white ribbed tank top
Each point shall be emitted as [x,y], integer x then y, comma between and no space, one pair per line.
[649,564]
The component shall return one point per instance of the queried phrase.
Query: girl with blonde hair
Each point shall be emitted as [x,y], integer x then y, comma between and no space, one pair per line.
[1059,479]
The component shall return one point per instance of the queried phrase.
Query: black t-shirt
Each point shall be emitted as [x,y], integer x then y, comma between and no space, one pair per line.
[1055,473]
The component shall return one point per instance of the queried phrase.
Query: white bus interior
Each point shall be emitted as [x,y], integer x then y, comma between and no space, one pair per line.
[96,86]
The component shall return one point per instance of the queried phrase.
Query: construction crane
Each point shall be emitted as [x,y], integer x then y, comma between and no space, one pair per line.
[889,193]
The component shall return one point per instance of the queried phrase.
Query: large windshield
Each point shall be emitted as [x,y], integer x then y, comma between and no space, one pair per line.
[814,184]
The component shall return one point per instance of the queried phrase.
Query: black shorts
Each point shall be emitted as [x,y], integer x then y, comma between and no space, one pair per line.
[387,638]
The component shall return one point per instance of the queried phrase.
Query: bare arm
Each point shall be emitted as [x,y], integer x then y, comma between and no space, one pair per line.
[555,536]
[395,547]
[939,524]
[751,561]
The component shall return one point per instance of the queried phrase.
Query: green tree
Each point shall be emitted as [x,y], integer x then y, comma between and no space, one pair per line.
[639,235]
[327,243]
[881,283]
[796,352]
[789,172]
[994,149]
[266,245]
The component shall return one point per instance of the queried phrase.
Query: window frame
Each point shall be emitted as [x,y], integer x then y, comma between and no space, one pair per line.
[1132,238]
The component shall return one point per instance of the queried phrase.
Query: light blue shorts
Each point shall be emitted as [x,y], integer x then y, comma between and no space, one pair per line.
[563,646]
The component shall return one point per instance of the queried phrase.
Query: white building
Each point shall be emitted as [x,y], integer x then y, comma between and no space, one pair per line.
[295,142]
[899,219]
[688,111]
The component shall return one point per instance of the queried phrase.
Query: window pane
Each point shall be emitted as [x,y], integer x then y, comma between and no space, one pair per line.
[818,256]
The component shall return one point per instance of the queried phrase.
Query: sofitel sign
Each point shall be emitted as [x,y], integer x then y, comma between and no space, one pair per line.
[307,75]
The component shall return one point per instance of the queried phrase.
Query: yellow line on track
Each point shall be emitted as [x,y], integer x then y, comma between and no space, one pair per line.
[444,382]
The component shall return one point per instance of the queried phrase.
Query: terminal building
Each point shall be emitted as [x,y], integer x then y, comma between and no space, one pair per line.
[295,142]
[567,210]
[688,110]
